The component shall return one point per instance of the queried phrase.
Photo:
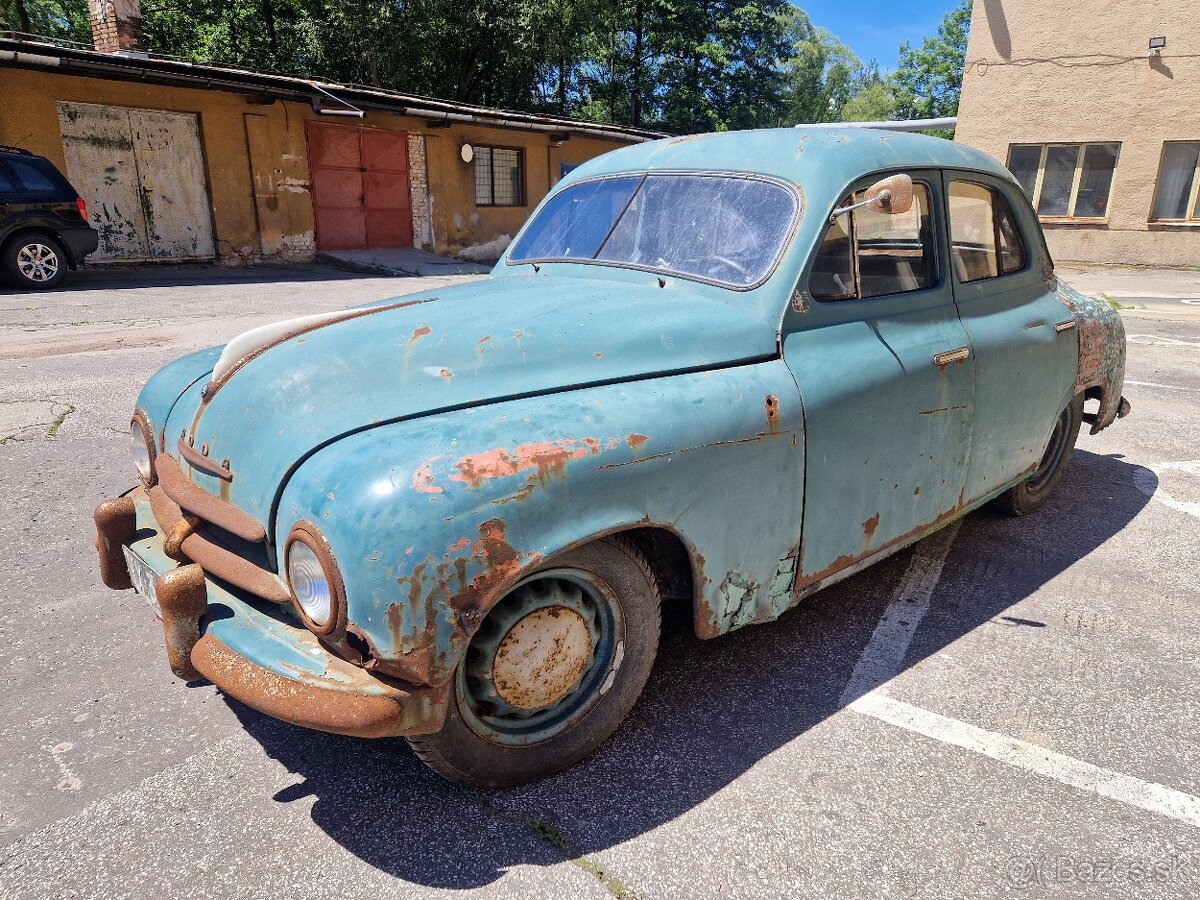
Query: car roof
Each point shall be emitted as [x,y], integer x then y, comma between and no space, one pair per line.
[805,156]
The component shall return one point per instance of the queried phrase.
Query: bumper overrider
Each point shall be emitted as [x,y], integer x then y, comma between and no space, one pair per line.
[244,644]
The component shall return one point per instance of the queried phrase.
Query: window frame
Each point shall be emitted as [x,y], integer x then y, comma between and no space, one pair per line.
[939,226]
[952,176]
[523,200]
[1077,177]
[1193,193]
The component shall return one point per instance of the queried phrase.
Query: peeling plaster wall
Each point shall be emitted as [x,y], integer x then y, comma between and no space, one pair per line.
[256,162]
[1008,97]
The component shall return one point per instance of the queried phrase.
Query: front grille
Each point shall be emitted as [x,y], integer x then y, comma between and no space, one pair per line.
[224,541]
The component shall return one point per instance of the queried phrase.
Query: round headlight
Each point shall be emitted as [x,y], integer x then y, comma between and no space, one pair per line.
[313,578]
[141,445]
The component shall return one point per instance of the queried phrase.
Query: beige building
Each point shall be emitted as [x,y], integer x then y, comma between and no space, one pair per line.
[1095,107]
[178,161]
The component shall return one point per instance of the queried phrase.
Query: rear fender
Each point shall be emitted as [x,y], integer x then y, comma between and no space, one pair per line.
[1101,352]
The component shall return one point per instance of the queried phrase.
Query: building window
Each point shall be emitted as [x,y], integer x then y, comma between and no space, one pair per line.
[499,177]
[1067,181]
[1175,198]
[984,240]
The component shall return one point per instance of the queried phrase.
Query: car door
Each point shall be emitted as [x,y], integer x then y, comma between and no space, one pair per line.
[1022,337]
[885,372]
[12,206]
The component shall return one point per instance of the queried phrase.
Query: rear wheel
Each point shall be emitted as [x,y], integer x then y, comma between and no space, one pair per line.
[553,670]
[1032,493]
[33,261]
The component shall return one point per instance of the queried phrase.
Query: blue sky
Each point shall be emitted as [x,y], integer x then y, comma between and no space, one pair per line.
[876,28]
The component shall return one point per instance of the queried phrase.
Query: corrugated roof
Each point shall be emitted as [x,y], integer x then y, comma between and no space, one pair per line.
[25,53]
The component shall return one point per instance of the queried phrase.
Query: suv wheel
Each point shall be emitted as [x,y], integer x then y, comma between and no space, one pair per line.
[33,261]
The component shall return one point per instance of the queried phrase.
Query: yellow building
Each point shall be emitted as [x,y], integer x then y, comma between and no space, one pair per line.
[179,161]
[1095,108]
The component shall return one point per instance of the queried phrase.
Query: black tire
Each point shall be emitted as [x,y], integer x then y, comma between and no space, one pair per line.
[1032,493]
[33,261]
[467,751]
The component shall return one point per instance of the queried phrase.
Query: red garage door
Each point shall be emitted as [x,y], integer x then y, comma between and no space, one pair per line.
[360,187]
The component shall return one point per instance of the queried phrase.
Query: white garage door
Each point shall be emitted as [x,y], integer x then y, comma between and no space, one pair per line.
[142,174]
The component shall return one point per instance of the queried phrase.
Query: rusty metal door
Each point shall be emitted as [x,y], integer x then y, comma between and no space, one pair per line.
[141,172]
[360,187]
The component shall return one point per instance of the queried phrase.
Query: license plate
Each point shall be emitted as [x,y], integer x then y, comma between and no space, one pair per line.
[143,577]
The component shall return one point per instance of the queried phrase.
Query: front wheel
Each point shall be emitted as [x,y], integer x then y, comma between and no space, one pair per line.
[553,670]
[33,261]
[1032,493]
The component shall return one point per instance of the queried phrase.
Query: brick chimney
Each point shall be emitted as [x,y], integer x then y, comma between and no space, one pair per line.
[117,26]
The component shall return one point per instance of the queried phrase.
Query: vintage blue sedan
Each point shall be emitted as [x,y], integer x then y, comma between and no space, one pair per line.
[728,369]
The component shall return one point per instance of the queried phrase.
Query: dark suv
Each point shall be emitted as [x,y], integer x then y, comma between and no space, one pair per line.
[43,221]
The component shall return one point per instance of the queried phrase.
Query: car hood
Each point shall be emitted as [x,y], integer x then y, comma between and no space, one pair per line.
[491,340]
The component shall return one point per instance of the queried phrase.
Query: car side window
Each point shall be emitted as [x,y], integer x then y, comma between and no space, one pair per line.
[984,239]
[6,184]
[30,178]
[868,253]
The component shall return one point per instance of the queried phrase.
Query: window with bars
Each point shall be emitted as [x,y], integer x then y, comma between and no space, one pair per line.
[1175,197]
[499,177]
[1065,181]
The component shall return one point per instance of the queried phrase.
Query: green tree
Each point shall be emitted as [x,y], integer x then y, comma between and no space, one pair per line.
[928,80]
[61,19]
[821,73]
[872,100]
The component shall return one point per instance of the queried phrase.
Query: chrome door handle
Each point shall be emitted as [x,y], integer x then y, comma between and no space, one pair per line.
[941,360]
[1064,326]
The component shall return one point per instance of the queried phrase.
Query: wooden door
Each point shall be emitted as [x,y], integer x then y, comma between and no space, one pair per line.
[141,172]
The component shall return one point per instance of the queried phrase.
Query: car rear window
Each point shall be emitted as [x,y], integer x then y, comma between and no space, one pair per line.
[726,229]
[33,177]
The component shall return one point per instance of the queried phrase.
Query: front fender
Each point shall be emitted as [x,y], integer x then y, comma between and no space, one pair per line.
[169,383]
[432,520]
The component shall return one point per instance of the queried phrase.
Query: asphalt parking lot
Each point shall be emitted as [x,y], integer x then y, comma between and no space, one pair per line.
[1010,708]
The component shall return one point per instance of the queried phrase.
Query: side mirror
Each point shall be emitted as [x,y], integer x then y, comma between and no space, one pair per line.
[892,195]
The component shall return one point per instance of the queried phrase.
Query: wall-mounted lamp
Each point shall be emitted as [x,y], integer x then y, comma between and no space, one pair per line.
[1156,46]
[467,152]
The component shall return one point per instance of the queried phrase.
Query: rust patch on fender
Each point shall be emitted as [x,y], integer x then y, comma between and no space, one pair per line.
[546,457]
[422,480]
[636,440]
[419,332]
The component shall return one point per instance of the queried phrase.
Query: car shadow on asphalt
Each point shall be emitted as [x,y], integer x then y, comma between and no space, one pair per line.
[711,710]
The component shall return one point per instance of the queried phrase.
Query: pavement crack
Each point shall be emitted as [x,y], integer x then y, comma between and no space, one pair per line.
[553,837]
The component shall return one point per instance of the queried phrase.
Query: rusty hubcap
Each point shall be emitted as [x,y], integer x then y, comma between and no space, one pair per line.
[540,659]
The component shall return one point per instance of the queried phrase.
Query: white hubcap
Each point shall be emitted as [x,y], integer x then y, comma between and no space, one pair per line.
[37,262]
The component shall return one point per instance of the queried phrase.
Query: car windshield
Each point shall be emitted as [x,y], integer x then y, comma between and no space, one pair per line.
[721,228]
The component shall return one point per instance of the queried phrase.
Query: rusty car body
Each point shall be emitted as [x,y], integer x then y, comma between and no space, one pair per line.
[710,353]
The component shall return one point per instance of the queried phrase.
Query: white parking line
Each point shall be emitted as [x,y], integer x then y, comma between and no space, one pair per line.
[884,653]
[1126,789]
[881,661]
[1169,387]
